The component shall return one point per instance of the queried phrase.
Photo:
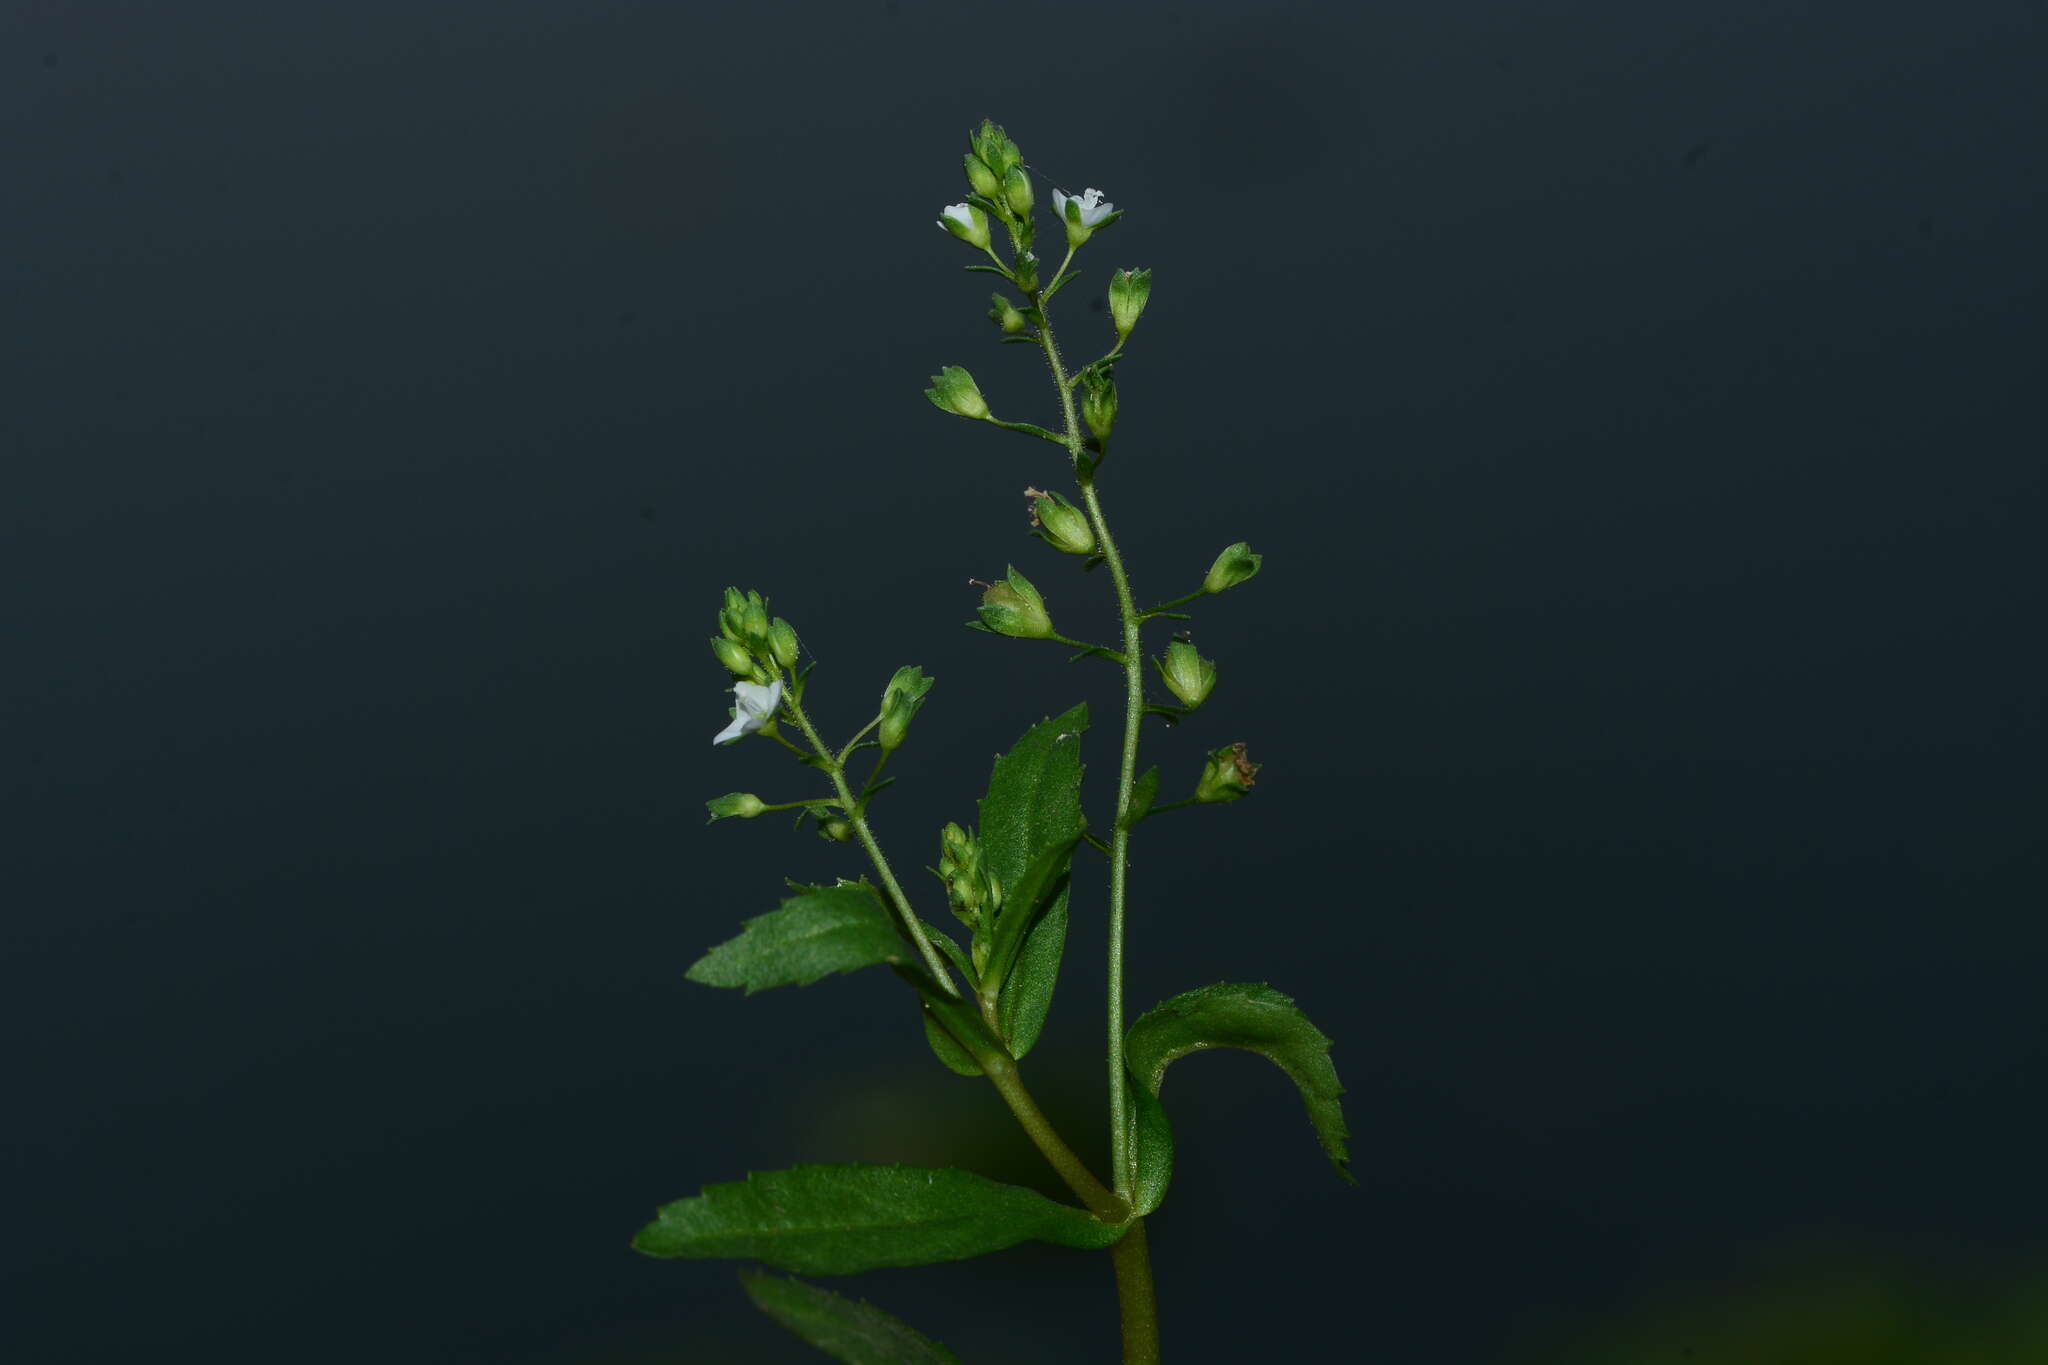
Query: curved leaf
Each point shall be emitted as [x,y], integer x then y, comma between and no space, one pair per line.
[835,1220]
[1030,822]
[1259,1019]
[853,1331]
[826,929]
[1151,1148]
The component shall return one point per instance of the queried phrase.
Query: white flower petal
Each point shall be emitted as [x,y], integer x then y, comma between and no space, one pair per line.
[756,708]
[960,213]
[1059,203]
[732,731]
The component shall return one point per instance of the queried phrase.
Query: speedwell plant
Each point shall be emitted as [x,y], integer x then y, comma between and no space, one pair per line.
[1006,879]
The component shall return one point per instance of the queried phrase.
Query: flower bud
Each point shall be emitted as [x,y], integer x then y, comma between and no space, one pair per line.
[754,625]
[782,643]
[1186,674]
[966,222]
[1227,776]
[900,702]
[734,656]
[1060,524]
[993,148]
[1024,270]
[1128,291]
[1098,404]
[835,828]
[1232,567]
[981,179]
[1017,191]
[971,889]
[1013,607]
[732,617]
[1007,315]
[735,805]
[954,390]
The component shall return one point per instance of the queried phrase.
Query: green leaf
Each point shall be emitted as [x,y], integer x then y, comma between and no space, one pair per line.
[1259,1019]
[826,929]
[1152,1148]
[849,1330]
[1026,996]
[1030,821]
[956,1058]
[835,1220]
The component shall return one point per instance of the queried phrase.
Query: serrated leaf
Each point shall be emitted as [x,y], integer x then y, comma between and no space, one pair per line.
[849,1330]
[1259,1019]
[1151,1148]
[836,1220]
[826,929]
[1030,821]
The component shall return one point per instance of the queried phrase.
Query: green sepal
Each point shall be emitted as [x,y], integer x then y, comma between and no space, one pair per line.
[850,1330]
[1144,792]
[1151,1148]
[988,269]
[1020,340]
[838,1220]
[825,929]
[1257,1018]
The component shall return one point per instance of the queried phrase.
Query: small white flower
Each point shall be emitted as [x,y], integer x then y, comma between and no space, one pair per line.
[756,708]
[966,222]
[1090,206]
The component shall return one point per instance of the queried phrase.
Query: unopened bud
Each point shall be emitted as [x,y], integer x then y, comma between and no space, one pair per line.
[1232,567]
[1017,191]
[1007,315]
[1013,607]
[1098,404]
[1227,776]
[836,829]
[735,805]
[754,626]
[734,656]
[900,702]
[954,390]
[1128,291]
[1186,674]
[782,642]
[984,181]
[1060,524]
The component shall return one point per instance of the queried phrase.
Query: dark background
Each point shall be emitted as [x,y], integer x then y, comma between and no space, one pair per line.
[1637,406]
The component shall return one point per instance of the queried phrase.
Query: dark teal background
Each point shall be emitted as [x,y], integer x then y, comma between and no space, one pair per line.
[1639,408]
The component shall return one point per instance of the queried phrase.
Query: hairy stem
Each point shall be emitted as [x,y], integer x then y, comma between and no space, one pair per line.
[906,918]
[1131,1256]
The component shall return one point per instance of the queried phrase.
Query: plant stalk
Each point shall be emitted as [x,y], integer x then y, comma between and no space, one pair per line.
[906,918]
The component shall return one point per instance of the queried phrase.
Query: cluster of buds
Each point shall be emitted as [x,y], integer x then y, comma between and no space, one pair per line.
[750,642]
[971,889]
[1011,606]
[1059,523]
[995,170]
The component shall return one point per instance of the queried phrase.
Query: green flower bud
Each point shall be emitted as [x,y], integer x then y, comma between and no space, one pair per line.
[1007,315]
[1017,191]
[900,702]
[1128,291]
[966,222]
[836,829]
[1227,776]
[782,643]
[1232,567]
[954,390]
[734,656]
[754,626]
[1060,524]
[732,617]
[735,805]
[971,889]
[1186,674]
[1098,404]
[981,179]
[1024,270]
[1013,607]
[993,148]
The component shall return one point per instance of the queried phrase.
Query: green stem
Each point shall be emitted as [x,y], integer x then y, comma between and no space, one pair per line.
[1002,1073]
[906,918]
[1130,1256]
